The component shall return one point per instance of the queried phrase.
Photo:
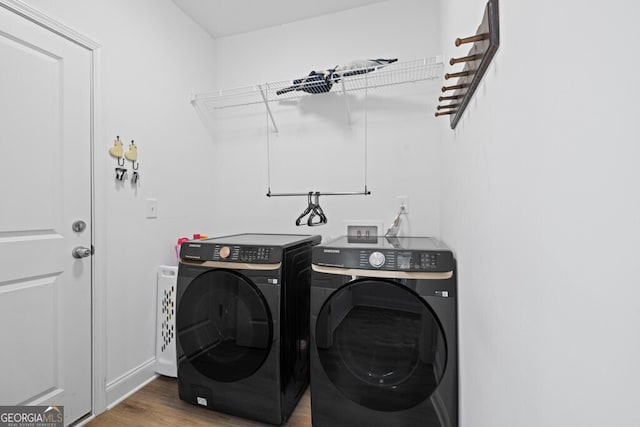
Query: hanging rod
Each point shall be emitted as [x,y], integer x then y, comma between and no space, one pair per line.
[322,193]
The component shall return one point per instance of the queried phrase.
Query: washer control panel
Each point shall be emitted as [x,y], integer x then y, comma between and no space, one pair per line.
[406,254]
[377,259]
[397,260]
[391,260]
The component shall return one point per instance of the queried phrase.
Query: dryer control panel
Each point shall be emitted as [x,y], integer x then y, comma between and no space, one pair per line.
[237,253]
[231,253]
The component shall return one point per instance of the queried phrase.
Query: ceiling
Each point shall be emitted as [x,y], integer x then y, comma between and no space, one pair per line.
[222,18]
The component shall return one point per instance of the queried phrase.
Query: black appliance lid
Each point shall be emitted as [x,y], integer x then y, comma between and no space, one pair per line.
[259,239]
[254,248]
[381,242]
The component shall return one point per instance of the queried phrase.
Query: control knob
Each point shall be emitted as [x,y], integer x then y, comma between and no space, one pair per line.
[376,259]
[225,252]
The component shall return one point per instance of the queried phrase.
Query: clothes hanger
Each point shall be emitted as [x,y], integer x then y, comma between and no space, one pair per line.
[317,211]
[313,210]
[307,210]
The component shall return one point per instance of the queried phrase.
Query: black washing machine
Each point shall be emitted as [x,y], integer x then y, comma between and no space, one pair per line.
[242,323]
[384,333]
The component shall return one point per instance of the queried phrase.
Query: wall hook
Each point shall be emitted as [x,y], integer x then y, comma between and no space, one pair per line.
[454,87]
[476,38]
[117,151]
[132,155]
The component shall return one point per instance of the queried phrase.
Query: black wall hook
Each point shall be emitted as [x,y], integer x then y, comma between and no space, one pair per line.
[307,210]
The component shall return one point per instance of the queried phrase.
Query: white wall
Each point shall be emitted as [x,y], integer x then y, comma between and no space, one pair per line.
[539,200]
[316,148]
[153,58]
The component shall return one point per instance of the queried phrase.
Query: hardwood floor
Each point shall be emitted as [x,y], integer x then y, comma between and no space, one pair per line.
[158,404]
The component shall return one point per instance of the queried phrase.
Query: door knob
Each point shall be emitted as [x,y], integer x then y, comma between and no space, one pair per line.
[81,252]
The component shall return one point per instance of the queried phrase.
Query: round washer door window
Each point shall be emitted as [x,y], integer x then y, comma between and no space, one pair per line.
[381,345]
[224,326]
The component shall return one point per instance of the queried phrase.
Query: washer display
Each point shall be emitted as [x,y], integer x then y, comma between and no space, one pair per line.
[383,333]
[242,323]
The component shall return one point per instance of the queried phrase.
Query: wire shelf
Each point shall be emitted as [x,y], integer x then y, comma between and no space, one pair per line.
[340,80]
[357,80]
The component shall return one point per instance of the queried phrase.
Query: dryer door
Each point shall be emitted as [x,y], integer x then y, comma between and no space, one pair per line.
[381,345]
[224,325]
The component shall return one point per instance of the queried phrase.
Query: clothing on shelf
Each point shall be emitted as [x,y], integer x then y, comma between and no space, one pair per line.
[322,81]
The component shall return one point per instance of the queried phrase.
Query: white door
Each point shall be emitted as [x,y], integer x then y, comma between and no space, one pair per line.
[45,185]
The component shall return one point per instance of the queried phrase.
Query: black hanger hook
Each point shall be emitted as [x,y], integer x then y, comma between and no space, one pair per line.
[307,210]
[317,211]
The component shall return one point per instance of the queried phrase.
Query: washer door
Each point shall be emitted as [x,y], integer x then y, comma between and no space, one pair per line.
[381,345]
[224,325]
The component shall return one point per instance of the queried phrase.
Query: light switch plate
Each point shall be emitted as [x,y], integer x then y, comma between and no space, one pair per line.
[152,208]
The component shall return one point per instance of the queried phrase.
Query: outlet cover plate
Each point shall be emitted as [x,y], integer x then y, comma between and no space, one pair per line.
[403,202]
[363,228]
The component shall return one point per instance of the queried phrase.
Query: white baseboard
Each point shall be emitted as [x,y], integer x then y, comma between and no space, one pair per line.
[127,384]
[84,421]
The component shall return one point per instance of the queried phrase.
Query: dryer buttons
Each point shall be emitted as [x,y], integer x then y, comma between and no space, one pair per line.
[376,259]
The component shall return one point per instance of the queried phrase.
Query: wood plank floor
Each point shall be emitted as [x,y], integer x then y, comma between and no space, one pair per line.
[158,404]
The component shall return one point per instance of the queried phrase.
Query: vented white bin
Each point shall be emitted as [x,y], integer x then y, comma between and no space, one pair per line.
[166,321]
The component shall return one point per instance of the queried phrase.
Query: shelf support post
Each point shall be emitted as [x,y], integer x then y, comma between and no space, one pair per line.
[266,104]
[346,101]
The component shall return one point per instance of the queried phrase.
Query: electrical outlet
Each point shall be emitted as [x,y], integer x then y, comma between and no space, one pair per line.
[403,203]
[151,209]
[363,230]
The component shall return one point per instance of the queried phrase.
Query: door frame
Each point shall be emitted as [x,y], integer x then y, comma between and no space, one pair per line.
[98,207]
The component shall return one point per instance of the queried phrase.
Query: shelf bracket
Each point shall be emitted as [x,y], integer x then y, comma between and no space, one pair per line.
[266,104]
